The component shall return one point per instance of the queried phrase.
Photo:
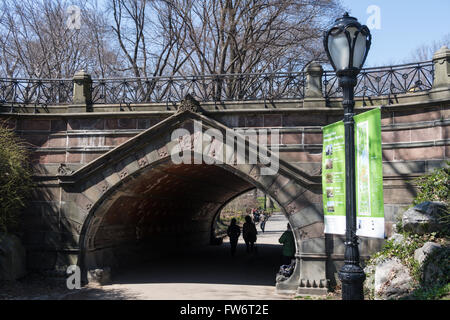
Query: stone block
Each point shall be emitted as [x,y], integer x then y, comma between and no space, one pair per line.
[396,136]
[428,114]
[86,124]
[314,230]
[386,118]
[71,212]
[298,120]
[312,138]
[399,195]
[116,140]
[426,134]
[272,120]
[34,125]
[291,138]
[58,125]
[432,165]
[403,167]
[147,123]
[91,156]
[51,158]
[57,142]
[74,157]
[388,155]
[300,156]
[307,216]
[310,246]
[289,192]
[255,120]
[120,123]
[421,153]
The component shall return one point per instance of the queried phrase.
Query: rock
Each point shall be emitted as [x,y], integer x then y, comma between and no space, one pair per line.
[436,268]
[397,238]
[421,254]
[392,280]
[99,276]
[12,257]
[423,218]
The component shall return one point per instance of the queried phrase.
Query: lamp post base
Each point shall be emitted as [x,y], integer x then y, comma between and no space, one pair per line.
[352,278]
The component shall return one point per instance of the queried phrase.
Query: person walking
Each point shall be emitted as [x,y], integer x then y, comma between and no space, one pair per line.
[233,233]
[287,239]
[249,233]
[264,218]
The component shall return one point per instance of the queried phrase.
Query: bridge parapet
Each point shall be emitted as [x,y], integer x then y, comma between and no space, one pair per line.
[311,88]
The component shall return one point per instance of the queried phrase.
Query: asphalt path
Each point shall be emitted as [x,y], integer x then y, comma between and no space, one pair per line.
[203,274]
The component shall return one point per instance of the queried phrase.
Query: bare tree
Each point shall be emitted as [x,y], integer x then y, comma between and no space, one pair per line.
[426,51]
[149,35]
[36,40]
[148,38]
[242,36]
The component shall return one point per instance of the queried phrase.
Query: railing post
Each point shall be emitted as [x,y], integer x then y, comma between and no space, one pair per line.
[82,93]
[313,90]
[441,83]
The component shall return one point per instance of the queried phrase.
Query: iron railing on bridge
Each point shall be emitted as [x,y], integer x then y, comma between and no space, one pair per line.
[372,82]
[206,88]
[385,81]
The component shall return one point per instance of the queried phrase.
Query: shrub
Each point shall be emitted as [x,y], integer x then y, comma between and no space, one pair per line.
[15,177]
[435,186]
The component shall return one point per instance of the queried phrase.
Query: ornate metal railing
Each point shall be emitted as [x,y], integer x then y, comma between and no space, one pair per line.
[207,88]
[385,81]
[372,82]
[35,91]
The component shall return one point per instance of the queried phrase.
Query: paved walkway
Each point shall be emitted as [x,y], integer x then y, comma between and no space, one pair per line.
[209,273]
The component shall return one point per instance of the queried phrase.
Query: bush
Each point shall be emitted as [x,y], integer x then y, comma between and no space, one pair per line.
[435,186]
[15,178]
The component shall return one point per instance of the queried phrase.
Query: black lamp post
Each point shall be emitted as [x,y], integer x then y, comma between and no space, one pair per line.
[347,44]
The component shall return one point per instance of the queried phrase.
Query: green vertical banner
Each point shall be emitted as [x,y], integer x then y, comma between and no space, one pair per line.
[369,175]
[333,178]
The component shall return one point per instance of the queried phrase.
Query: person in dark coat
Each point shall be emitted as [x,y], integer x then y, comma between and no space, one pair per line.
[249,233]
[287,239]
[233,233]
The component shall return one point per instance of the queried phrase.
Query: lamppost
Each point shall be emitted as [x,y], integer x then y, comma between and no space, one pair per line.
[347,44]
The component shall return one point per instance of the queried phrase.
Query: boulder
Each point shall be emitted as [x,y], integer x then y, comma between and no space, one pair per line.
[12,257]
[421,254]
[392,280]
[99,276]
[436,267]
[423,218]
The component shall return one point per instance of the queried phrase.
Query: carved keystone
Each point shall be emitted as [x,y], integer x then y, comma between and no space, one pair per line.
[189,103]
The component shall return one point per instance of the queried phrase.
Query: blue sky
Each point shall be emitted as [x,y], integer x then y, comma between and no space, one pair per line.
[405,26]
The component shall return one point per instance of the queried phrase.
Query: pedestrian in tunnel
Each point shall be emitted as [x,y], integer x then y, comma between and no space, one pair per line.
[233,233]
[264,218]
[287,239]
[249,233]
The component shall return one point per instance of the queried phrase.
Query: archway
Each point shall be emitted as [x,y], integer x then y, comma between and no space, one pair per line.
[136,192]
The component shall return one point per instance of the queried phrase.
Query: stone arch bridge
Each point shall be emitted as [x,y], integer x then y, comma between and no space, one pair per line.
[108,188]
